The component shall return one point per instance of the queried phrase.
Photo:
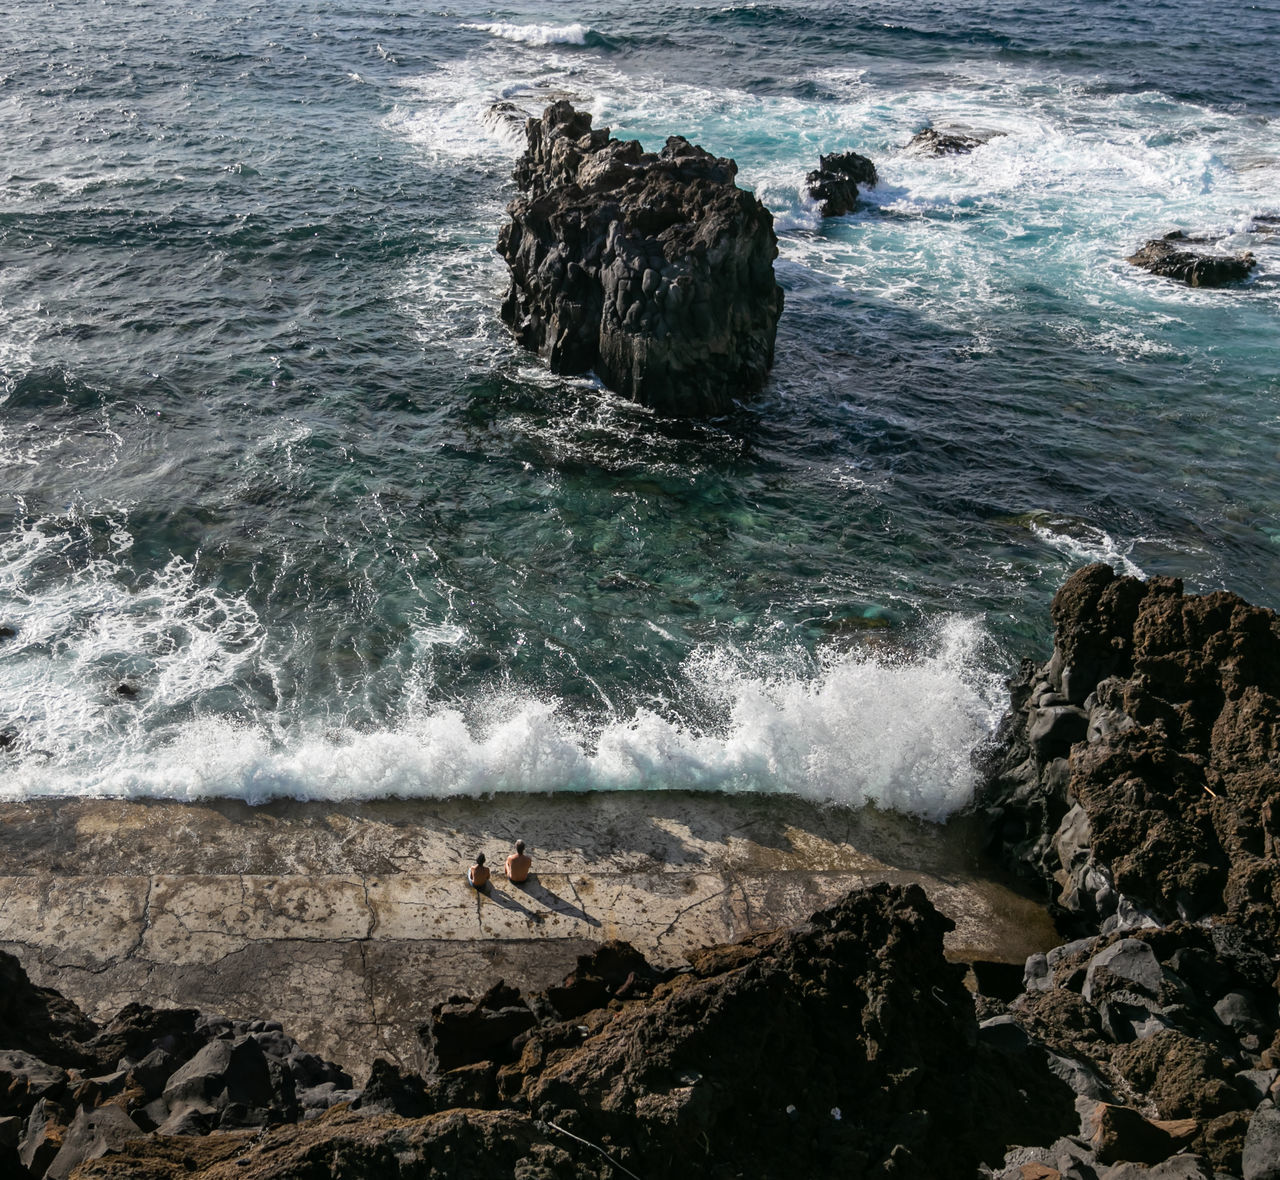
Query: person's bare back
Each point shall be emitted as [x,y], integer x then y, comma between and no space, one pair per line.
[518,865]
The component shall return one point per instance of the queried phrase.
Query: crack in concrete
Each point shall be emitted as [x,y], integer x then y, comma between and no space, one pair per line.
[373,913]
[134,950]
[657,942]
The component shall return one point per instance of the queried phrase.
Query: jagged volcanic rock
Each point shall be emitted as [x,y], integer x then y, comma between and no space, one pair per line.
[654,270]
[1169,258]
[1140,767]
[836,181]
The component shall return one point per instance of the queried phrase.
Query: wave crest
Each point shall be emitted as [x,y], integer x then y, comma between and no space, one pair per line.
[574,34]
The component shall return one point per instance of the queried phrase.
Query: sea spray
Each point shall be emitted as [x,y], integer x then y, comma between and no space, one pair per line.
[893,729]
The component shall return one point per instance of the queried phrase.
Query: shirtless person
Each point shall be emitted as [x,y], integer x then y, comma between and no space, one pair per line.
[478,873]
[518,865]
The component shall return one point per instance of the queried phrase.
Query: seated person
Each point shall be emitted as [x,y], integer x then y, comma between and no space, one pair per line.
[518,865]
[478,873]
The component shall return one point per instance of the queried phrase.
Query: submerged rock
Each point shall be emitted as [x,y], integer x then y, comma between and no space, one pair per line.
[836,181]
[931,142]
[653,270]
[1169,258]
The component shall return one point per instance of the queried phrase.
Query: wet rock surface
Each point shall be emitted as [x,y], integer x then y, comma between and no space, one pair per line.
[835,182]
[932,142]
[652,270]
[1172,258]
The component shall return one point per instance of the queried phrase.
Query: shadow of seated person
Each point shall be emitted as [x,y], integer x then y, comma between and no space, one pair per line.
[537,891]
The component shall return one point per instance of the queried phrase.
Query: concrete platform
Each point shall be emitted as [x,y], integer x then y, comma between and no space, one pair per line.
[348,921]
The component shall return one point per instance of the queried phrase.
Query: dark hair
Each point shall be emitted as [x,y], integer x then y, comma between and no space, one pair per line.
[519,845]
[480,858]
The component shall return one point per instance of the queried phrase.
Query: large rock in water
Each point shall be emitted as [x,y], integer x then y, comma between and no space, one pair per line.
[1139,779]
[1169,258]
[655,271]
[835,183]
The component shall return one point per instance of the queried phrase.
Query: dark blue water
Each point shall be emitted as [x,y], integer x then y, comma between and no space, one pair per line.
[268,457]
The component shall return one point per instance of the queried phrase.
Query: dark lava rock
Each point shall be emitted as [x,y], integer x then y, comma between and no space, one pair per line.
[391,1092]
[931,142]
[653,270]
[1168,805]
[836,181]
[1121,1133]
[39,1021]
[1169,258]
[463,1032]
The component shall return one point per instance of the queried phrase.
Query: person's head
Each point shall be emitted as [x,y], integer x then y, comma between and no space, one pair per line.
[519,845]
[480,858]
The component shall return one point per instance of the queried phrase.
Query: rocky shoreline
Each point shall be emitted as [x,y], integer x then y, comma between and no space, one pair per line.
[1135,786]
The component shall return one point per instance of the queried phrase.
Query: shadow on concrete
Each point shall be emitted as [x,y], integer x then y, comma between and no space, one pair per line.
[538,892]
[505,901]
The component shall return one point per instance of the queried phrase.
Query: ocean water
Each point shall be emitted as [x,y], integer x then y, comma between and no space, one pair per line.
[269,460]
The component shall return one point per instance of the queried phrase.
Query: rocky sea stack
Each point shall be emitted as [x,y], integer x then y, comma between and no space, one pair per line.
[835,183]
[652,270]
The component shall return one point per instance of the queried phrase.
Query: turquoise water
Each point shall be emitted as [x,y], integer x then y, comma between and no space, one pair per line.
[268,457]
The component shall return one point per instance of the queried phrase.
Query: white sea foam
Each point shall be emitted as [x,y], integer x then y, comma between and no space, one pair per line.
[1085,544]
[894,731]
[574,34]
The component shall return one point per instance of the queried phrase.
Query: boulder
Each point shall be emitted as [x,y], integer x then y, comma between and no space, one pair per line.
[652,270]
[42,1136]
[1120,1133]
[25,1079]
[91,1135]
[463,1033]
[835,183]
[1261,1156]
[1169,257]
[230,1083]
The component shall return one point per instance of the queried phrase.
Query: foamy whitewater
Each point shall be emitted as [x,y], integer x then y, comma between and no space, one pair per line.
[286,513]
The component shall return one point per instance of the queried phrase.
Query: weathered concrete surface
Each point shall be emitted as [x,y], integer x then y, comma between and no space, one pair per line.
[348,921]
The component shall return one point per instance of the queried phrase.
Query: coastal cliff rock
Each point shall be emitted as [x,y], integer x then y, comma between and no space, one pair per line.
[1139,776]
[652,270]
[1137,785]
[1169,258]
[835,183]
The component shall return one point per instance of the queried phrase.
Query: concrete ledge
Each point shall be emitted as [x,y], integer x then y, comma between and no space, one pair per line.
[347,922]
